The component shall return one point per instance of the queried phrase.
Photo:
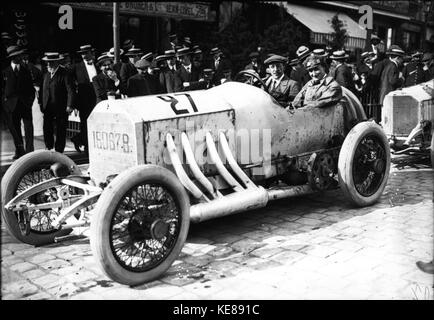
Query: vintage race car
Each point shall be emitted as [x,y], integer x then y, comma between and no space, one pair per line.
[157,163]
[408,118]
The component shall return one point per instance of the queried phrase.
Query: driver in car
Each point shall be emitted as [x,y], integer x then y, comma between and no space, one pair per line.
[278,84]
[321,91]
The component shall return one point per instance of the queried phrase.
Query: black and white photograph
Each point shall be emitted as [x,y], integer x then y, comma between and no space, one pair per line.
[232,152]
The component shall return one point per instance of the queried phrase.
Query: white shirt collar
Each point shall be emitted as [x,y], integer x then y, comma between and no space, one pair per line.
[52,74]
[15,65]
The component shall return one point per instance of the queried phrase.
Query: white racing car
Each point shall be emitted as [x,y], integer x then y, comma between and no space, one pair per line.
[157,163]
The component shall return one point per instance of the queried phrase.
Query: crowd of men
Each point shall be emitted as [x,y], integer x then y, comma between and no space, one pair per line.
[314,78]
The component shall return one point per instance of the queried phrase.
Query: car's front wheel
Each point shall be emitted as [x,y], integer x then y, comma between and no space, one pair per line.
[364,164]
[140,224]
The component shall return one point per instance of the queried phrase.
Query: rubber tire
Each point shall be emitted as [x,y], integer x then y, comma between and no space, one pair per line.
[10,182]
[346,159]
[104,210]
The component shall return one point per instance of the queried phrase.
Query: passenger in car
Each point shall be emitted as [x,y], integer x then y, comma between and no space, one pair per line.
[279,85]
[321,91]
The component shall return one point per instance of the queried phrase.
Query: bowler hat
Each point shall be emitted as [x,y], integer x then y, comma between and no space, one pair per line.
[142,64]
[395,50]
[339,55]
[85,48]
[275,59]
[134,52]
[302,52]
[13,51]
[52,56]
[111,52]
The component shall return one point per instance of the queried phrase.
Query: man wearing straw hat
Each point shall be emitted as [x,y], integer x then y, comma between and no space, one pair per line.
[107,82]
[18,96]
[187,72]
[167,75]
[391,78]
[58,95]
[83,72]
[299,72]
[340,71]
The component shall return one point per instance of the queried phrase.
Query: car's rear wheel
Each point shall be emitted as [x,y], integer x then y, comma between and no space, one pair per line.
[33,168]
[140,224]
[364,164]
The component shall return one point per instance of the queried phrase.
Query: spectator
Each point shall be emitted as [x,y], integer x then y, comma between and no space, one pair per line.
[58,95]
[413,71]
[107,82]
[18,97]
[340,72]
[220,63]
[142,83]
[428,66]
[167,75]
[187,72]
[391,78]
[128,69]
[83,72]
[299,72]
[255,64]
[118,65]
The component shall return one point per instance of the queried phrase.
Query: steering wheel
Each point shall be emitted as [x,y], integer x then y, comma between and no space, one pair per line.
[252,78]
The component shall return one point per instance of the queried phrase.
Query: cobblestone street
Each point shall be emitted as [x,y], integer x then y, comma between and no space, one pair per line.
[311,247]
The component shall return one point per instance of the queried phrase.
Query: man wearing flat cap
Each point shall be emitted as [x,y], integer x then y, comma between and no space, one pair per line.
[340,71]
[391,78]
[57,96]
[321,91]
[18,95]
[83,72]
[278,84]
[187,72]
[107,82]
[299,72]
[142,83]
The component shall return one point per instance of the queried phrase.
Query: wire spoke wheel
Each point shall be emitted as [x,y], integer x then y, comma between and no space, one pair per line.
[140,224]
[34,226]
[144,227]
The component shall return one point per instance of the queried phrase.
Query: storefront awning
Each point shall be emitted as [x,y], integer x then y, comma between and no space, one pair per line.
[319,22]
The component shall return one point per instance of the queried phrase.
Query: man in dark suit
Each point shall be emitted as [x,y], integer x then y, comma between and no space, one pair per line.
[413,71]
[143,83]
[256,65]
[391,77]
[428,65]
[18,97]
[107,82]
[167,75]
[278,84]
[187,72]
[340,71]
[58,94]
[83,73]
[128,69]
[299,72]
[220,63]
